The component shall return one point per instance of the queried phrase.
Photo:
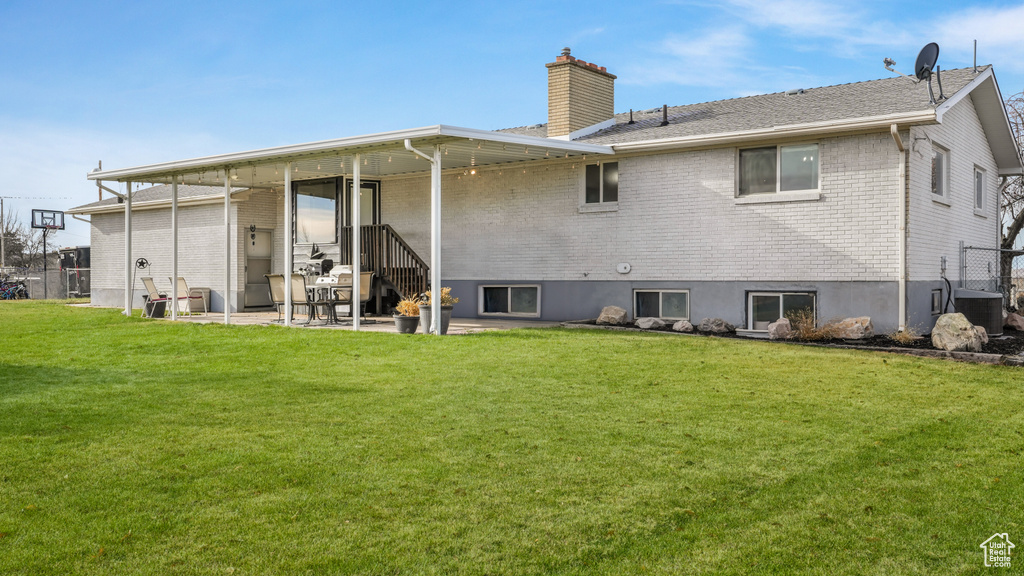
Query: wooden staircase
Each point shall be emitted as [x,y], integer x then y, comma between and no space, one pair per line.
[386,254]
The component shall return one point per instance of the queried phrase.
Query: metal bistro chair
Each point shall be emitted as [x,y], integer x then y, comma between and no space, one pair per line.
[156,302]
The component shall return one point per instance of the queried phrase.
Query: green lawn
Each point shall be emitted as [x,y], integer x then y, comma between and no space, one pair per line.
[146,447]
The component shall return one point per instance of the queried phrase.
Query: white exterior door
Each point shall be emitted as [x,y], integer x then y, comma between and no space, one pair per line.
[258,250]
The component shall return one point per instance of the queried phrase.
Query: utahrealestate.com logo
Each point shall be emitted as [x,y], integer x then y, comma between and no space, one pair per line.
[997,550]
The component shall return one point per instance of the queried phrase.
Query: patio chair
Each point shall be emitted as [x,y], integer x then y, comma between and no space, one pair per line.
[344,295]
[301,297]
[276,284]
[185,294]
[156,302]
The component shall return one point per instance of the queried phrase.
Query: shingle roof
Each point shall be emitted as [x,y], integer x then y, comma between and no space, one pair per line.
[160,193]
[840,102]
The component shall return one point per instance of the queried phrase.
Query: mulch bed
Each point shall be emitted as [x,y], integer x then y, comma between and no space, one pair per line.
[1011,343]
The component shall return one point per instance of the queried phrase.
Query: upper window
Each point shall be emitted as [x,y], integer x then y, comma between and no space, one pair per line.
[316,212]
[979,189]
[940,172]
[778,169]
[602,183]
[668,304]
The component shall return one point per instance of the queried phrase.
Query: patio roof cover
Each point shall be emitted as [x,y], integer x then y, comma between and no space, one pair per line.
[382,154]
[373,155]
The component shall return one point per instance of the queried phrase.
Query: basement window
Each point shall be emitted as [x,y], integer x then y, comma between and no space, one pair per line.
[667,304]
[601,184]
[517,300]
[763,308]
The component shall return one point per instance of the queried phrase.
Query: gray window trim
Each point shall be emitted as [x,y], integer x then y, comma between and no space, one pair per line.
[480,300]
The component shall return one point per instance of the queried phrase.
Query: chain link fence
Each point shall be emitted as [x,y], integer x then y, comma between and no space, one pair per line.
[994,270]
[52,284]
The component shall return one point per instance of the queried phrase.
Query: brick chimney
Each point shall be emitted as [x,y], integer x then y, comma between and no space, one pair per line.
[580,94]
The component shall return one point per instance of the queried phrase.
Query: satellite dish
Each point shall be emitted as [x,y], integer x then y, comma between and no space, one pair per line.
[926,61]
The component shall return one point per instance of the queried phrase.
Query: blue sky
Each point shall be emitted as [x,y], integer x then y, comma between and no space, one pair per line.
[140,82]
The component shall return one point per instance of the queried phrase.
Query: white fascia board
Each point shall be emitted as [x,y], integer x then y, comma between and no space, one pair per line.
[792,130]
[350,145]
[962,93]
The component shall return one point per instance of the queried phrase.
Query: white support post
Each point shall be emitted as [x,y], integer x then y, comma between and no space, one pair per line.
[228,245]
[128,264]
[288,247]
[435,241]
[357,267]
[174,249]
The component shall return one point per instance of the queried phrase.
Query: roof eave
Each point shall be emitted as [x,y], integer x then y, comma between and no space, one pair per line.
[786,131]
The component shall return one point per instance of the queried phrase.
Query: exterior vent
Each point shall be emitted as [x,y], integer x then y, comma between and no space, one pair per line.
[983,309]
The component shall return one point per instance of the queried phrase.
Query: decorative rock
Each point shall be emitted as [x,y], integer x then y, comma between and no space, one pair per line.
[715,325]
[650,323]
[854,328]
[612,315]
[1015,321]
[954,333]
[781,329]
[982,333]
[682,326]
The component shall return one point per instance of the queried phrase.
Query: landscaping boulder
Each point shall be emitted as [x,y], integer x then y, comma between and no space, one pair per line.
[854,328]
[715,325]
[650,323]
[1015,321]
[781,329]
[682,326]
[982,333]
[953,332]
[612,315]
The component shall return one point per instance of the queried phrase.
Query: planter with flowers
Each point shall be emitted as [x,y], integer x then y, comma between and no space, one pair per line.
[447,303]
[408,317]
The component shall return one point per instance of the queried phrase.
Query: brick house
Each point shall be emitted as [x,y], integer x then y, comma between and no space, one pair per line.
[847,200]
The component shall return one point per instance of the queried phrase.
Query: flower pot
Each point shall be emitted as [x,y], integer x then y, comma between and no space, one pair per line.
[446,318]
[406,324]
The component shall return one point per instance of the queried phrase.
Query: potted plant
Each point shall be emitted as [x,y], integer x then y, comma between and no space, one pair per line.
[408,317]
[447,303]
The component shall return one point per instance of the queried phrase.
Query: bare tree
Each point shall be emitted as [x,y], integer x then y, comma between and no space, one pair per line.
[1012,201]
[22,245]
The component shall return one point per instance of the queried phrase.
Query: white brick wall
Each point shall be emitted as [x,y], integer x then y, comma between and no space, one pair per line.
[935,229]
[200,247]
[677,220]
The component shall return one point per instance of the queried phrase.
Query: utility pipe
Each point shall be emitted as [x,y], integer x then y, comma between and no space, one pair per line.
[894,130]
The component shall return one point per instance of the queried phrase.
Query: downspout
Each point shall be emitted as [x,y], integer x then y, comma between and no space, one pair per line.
[435,233]
[894,130]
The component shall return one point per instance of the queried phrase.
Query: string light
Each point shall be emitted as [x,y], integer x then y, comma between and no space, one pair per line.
[473,172]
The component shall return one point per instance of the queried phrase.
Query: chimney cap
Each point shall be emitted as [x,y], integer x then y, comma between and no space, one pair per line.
[566,51]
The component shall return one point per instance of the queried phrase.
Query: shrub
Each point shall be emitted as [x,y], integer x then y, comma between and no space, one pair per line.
[446,297]
[805,327]
[907,336]
[408,307]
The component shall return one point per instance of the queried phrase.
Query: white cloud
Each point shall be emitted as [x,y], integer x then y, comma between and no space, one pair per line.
[997,30]
[713,59]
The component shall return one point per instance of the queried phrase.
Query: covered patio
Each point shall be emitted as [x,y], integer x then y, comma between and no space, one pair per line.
[433,150]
